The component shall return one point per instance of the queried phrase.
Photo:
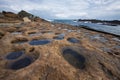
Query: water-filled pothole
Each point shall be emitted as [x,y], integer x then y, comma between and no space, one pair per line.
[73,40]
[14,55]
[74,58]
[48,32]
[58,38]
[24,62]
[40,42]
[19,41]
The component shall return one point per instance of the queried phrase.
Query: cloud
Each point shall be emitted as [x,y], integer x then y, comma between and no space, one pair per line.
[100,9]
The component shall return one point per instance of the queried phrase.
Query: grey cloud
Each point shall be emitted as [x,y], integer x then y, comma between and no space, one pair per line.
[101,9]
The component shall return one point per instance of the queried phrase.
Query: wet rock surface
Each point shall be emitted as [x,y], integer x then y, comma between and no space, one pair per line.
[94,56]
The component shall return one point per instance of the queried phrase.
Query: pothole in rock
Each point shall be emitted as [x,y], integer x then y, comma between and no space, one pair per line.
[71,30]
[24,61]
[74,58]
[57,33]
[16,33]
[14,55]
[40,42]
[34,33]
[59,37]
[98,37]
[117,47]
[20,41]
[73,40]
[116,39]
[48,32]
[21,63]
[1,34]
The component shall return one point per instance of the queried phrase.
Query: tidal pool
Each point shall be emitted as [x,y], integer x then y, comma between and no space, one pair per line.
[40,42]
[24,62]
[14,55]
[73,40]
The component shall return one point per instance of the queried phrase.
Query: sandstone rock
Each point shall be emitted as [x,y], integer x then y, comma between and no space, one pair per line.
[23,14]
[26,19]
[88,59]
[37,19]
[9,14]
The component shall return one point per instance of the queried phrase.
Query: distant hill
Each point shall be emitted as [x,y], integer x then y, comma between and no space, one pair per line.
[114,22]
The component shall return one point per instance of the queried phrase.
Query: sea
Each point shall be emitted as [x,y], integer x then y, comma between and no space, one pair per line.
[95,26]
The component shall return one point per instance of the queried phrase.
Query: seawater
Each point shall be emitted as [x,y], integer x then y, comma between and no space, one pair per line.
[99,27]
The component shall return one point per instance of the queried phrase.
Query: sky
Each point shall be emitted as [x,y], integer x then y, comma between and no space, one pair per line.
[66,9]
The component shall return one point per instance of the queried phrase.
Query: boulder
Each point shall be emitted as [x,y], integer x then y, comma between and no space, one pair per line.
[26,19]
[23,14]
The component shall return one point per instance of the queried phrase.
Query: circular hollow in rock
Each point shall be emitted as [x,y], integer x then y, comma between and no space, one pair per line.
[19,41]
[24,62]
[1,35]
[39,42]
[16,33]
[14,55]
[73,40]
[31,32]
[74,58]
[58,38]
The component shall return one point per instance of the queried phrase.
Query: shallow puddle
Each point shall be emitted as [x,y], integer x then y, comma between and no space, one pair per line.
[24,62]
[74,58]
[59,37]
[39,42]
[14,55]
[73,40]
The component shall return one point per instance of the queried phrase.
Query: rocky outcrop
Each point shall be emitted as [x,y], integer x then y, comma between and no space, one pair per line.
[9,14]
[12,17]
[23,14]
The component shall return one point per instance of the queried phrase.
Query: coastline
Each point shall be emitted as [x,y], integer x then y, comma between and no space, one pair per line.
[55,59]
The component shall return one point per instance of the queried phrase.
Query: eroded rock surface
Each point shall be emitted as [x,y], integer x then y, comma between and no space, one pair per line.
[93,56]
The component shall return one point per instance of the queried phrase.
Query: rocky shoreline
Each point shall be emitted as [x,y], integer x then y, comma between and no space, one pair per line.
[40,50]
